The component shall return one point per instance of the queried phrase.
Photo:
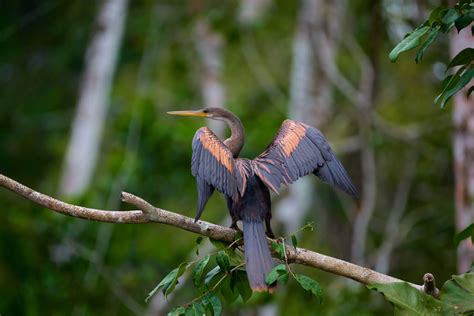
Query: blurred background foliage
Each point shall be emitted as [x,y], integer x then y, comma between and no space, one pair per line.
[57,265]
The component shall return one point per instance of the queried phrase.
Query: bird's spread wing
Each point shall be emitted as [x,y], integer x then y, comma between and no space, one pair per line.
[214,168]
[298,150]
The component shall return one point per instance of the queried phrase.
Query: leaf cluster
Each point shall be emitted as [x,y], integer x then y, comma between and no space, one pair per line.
[221,276]
[442,20]
[225,280]
[457,297]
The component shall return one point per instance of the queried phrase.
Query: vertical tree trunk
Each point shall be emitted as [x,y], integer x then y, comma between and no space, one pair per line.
[89,121]
[463,147]
[368,89]
[310,99]
[209,47]
[252,11]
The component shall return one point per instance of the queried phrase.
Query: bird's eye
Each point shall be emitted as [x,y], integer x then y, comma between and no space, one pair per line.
[205,111]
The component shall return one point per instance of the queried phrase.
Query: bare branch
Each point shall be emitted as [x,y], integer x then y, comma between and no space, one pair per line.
[429,285]
[149,213]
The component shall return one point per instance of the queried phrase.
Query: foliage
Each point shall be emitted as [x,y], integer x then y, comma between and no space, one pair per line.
[467,232]
[442,20]
[226,279]
[457,297]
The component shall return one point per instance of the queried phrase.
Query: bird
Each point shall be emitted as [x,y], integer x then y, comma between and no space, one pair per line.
[297,150]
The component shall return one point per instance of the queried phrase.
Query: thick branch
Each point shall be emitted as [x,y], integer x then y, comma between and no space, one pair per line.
[149,213]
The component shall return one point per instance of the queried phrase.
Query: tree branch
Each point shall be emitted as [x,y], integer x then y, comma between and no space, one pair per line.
[149,213]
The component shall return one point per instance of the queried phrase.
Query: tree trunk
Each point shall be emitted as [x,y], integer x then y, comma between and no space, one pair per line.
[463,147]
[209,48]
[100,63]
[310,100]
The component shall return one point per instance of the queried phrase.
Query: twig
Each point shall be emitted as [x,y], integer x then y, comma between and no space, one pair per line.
[149,213]
[429,285]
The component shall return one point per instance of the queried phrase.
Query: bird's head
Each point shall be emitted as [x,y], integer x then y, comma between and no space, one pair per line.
[214,113]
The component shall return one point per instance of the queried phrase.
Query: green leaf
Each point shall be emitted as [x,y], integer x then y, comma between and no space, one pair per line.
[168,283]
[277,272]
[411,300]
[294,241]
[462,58]
[238,235]
[471,90]
[411,41]
[198,242]
[199,270]
[222,259]
[180,310]
[279,249]
[450,16]
[436,14]
[309,285]
[213,303]
[242,285]
[465,233]
[228,290]
[219,244]
[457,82]
[432,34]
[459,292]
[196,309]
[170,287]
[463,21]
[211,275]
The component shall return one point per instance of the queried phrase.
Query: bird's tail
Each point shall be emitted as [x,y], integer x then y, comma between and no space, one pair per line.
[258,259]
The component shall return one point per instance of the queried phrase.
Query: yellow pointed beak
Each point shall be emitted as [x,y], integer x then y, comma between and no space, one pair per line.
[188,113]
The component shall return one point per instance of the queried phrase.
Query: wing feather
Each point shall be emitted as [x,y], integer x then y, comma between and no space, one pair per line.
[298,150]
[214,167]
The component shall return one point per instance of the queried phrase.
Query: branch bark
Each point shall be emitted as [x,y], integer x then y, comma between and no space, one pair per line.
[148,214]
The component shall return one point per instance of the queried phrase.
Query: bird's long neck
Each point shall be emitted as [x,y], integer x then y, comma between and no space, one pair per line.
[236,140]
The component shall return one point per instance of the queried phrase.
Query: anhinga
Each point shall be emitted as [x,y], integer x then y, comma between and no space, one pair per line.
[297,150]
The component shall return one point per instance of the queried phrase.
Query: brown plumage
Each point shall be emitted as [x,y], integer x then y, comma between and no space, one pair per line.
[297,150]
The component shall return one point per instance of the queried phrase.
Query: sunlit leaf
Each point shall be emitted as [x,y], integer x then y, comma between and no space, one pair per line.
[199,270]
[412,40]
